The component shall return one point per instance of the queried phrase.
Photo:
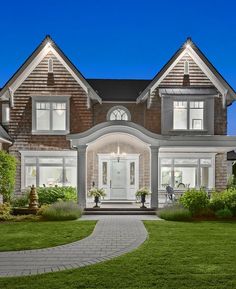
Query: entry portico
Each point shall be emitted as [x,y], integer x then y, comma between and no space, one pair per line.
[119,156]
[122,156]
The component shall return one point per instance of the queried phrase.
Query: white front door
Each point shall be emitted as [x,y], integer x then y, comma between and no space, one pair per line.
[118,179]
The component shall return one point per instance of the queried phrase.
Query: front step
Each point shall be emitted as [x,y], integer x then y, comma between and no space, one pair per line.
[119,211]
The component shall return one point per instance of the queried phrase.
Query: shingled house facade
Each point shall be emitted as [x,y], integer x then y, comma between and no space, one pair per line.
[117,134]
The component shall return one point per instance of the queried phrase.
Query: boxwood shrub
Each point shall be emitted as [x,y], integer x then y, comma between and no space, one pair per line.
[194,200]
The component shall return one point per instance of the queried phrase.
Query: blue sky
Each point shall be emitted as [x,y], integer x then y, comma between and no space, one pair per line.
[120,38]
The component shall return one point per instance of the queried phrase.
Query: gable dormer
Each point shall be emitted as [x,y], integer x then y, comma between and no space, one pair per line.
[193,94]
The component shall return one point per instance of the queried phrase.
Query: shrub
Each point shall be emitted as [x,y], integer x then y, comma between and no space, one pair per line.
[216,202]
[194,200]
[174,213]
[224,213]
[5,212]
[7,175]
[21,201]
[61,210]
[225,199]
[50,195]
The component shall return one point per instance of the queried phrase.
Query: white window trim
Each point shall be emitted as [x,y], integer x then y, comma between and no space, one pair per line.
[51,99]
[39,154]
[187,156]
[118,107]
[186,67]
[188,114]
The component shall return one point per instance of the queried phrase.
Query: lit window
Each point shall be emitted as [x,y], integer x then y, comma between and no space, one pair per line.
[180,114]
[50,171]
[119,113]
[184,173]
[50,65]
[50,116]
[188,115]
[186,68]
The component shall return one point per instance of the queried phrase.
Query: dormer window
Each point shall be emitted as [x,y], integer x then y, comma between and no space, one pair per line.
[50,65]
[118,113]
[188,115]
[186,68]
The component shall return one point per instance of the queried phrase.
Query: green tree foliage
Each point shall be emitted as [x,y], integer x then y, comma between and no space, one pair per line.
[7,175]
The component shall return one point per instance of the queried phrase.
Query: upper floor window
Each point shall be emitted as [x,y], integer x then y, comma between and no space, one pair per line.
[5,113]
[118,113]
[50,116]
[188,115]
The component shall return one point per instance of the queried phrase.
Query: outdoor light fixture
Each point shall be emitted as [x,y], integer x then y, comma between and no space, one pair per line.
[118,155]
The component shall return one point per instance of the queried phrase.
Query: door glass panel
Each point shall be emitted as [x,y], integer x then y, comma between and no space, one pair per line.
[104,173]
[132,173]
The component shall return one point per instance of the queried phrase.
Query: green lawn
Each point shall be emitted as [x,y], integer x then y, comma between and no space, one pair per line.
[176,256]
[32,235]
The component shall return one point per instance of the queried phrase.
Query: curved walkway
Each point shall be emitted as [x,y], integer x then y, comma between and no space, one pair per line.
[112,237]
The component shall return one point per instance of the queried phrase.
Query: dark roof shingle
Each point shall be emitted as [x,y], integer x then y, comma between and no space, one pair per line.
[118,89]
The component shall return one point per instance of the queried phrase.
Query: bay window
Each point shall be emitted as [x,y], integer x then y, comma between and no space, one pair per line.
[51,115]
[49,171]
[188,115]
[183,173]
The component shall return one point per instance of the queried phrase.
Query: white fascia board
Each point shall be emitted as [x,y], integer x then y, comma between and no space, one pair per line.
[3,140]
[202,65]
[193,150]
[64,153]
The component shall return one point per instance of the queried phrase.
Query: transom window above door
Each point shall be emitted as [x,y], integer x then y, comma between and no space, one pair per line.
[188,115]
[50,116]
[118,113]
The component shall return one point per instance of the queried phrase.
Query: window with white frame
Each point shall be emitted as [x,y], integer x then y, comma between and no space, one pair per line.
[183,173]
[49,171]
[118,113]
[186,67]
[50,65]
[5,113]
[50,116]
[188,115]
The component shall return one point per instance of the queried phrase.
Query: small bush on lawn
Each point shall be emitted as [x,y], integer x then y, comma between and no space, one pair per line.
[61,210]
[194,200]
[5,212]
[225,199]
[224,213]
[50,195]
[174,213]
[21,201]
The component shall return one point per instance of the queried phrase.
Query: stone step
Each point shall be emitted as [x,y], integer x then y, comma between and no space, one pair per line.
[119,212]
[119,209]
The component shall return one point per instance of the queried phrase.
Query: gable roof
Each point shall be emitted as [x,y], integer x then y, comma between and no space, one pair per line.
[227,92]
[4,137]
[119,89]
[47,45]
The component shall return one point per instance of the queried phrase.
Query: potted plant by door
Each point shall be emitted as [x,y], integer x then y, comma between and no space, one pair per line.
[141,194]
[97,194]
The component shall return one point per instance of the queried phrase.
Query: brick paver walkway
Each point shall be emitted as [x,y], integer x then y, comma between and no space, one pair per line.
[112,237]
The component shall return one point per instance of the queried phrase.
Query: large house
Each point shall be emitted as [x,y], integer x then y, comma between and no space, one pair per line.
[118,134]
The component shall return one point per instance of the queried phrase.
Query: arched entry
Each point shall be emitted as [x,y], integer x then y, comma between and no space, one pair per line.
[116,137]
[120,164]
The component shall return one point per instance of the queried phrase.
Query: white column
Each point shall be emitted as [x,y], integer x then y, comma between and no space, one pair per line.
[81,175]
[154,176]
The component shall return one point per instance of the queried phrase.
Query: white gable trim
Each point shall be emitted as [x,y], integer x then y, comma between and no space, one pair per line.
[8,94]
[202,65]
